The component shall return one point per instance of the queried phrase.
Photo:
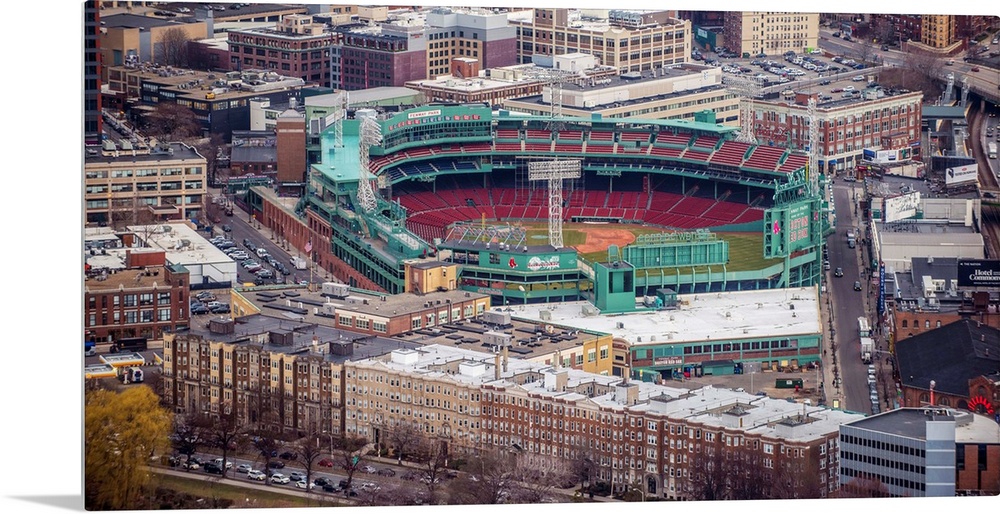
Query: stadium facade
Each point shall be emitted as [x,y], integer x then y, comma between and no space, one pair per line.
[451,183]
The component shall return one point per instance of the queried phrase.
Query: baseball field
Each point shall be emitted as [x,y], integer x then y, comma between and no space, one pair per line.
[592,240]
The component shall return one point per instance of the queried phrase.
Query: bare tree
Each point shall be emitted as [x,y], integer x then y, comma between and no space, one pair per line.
[865,51]
[222,431]
[266,442]
[863,487]
[403,438]
[172,122]
[352,457]
[309,451]
[173,47]
[212,149]
[708,476]
[186,438]
[919,72]
[431,455]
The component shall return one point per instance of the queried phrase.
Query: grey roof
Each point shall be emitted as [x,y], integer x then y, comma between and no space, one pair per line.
[950,356]
[254,154]
[902,422]
[940,268]
[131,21]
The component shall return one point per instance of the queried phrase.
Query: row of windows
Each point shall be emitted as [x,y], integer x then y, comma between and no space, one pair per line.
[129,300]
[887,480]
[878,461]
[130,317]
[880,445]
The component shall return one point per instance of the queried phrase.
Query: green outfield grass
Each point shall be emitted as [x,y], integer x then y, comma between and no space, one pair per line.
[746,249]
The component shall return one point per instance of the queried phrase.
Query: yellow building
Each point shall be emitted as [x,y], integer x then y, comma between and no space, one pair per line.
[773,33]
[121,183]
[423,276]
[937,30]
[142,37]
[629,40]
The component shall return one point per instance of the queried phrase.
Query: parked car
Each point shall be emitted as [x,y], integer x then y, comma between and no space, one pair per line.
[218,462]
[331,488]
[326,463]
[857,285]
[839,272]
[211,467]
[387,472]
[222,308]
[321,481]
[227,228]
[301,484]
[369,469]
[243,468]
[289,455]
[278,478]
[296,475]
[275,464]
[255,474]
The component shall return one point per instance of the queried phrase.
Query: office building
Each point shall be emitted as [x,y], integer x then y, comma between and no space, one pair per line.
[92,119]
[296,46]
[628,40]
[131,184]
[920,452]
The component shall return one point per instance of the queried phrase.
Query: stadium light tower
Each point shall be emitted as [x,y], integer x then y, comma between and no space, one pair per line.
[813,169]
[371,135]
[747,88]
[554,172]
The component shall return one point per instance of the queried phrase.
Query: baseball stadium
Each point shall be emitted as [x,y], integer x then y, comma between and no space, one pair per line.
[540,209]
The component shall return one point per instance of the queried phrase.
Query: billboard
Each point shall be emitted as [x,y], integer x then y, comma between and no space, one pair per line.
[885,156]
[901,207]
[961,174]
[881,288]
[978,273]
[524,262]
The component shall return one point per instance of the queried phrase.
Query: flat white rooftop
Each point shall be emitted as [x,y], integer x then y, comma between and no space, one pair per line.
[699,317]
[181,244]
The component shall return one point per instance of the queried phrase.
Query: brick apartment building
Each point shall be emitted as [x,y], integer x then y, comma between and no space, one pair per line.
[385,55]
[146,299]
[290,128]
[771,33]
[296,47]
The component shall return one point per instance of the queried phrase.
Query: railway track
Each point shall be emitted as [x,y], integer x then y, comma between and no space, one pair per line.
[989,225]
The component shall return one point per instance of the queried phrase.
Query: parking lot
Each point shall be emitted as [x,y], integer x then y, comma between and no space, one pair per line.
[786,68]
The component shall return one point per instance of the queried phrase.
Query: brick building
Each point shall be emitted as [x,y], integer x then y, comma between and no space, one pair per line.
[274,373]
[962,360]
[847,124]
[148,298]
[383,55]
[291,144]
[296,47]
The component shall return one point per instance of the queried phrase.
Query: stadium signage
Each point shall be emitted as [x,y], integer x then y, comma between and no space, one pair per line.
[433,116]
[540,264]
[978,273]
[423,114]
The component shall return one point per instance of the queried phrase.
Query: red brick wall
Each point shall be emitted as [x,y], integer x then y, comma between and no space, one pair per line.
[291,149]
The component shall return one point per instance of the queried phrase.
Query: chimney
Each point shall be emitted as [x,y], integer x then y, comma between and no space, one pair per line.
[562,377]
[496,367]
[505,355]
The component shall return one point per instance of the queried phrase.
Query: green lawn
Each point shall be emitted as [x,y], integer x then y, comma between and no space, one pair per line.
[746,250]
[239,495]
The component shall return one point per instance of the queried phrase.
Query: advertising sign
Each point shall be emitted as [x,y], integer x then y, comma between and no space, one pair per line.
[522,262]
[961,174]
[978,273]
[881,288]
[901,207]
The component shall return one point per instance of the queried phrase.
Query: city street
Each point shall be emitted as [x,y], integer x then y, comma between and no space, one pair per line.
[848,303]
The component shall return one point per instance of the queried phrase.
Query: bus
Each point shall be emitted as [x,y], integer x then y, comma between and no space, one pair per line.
[992,150]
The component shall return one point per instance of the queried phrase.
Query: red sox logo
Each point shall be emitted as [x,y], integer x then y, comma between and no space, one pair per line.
[511,263]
